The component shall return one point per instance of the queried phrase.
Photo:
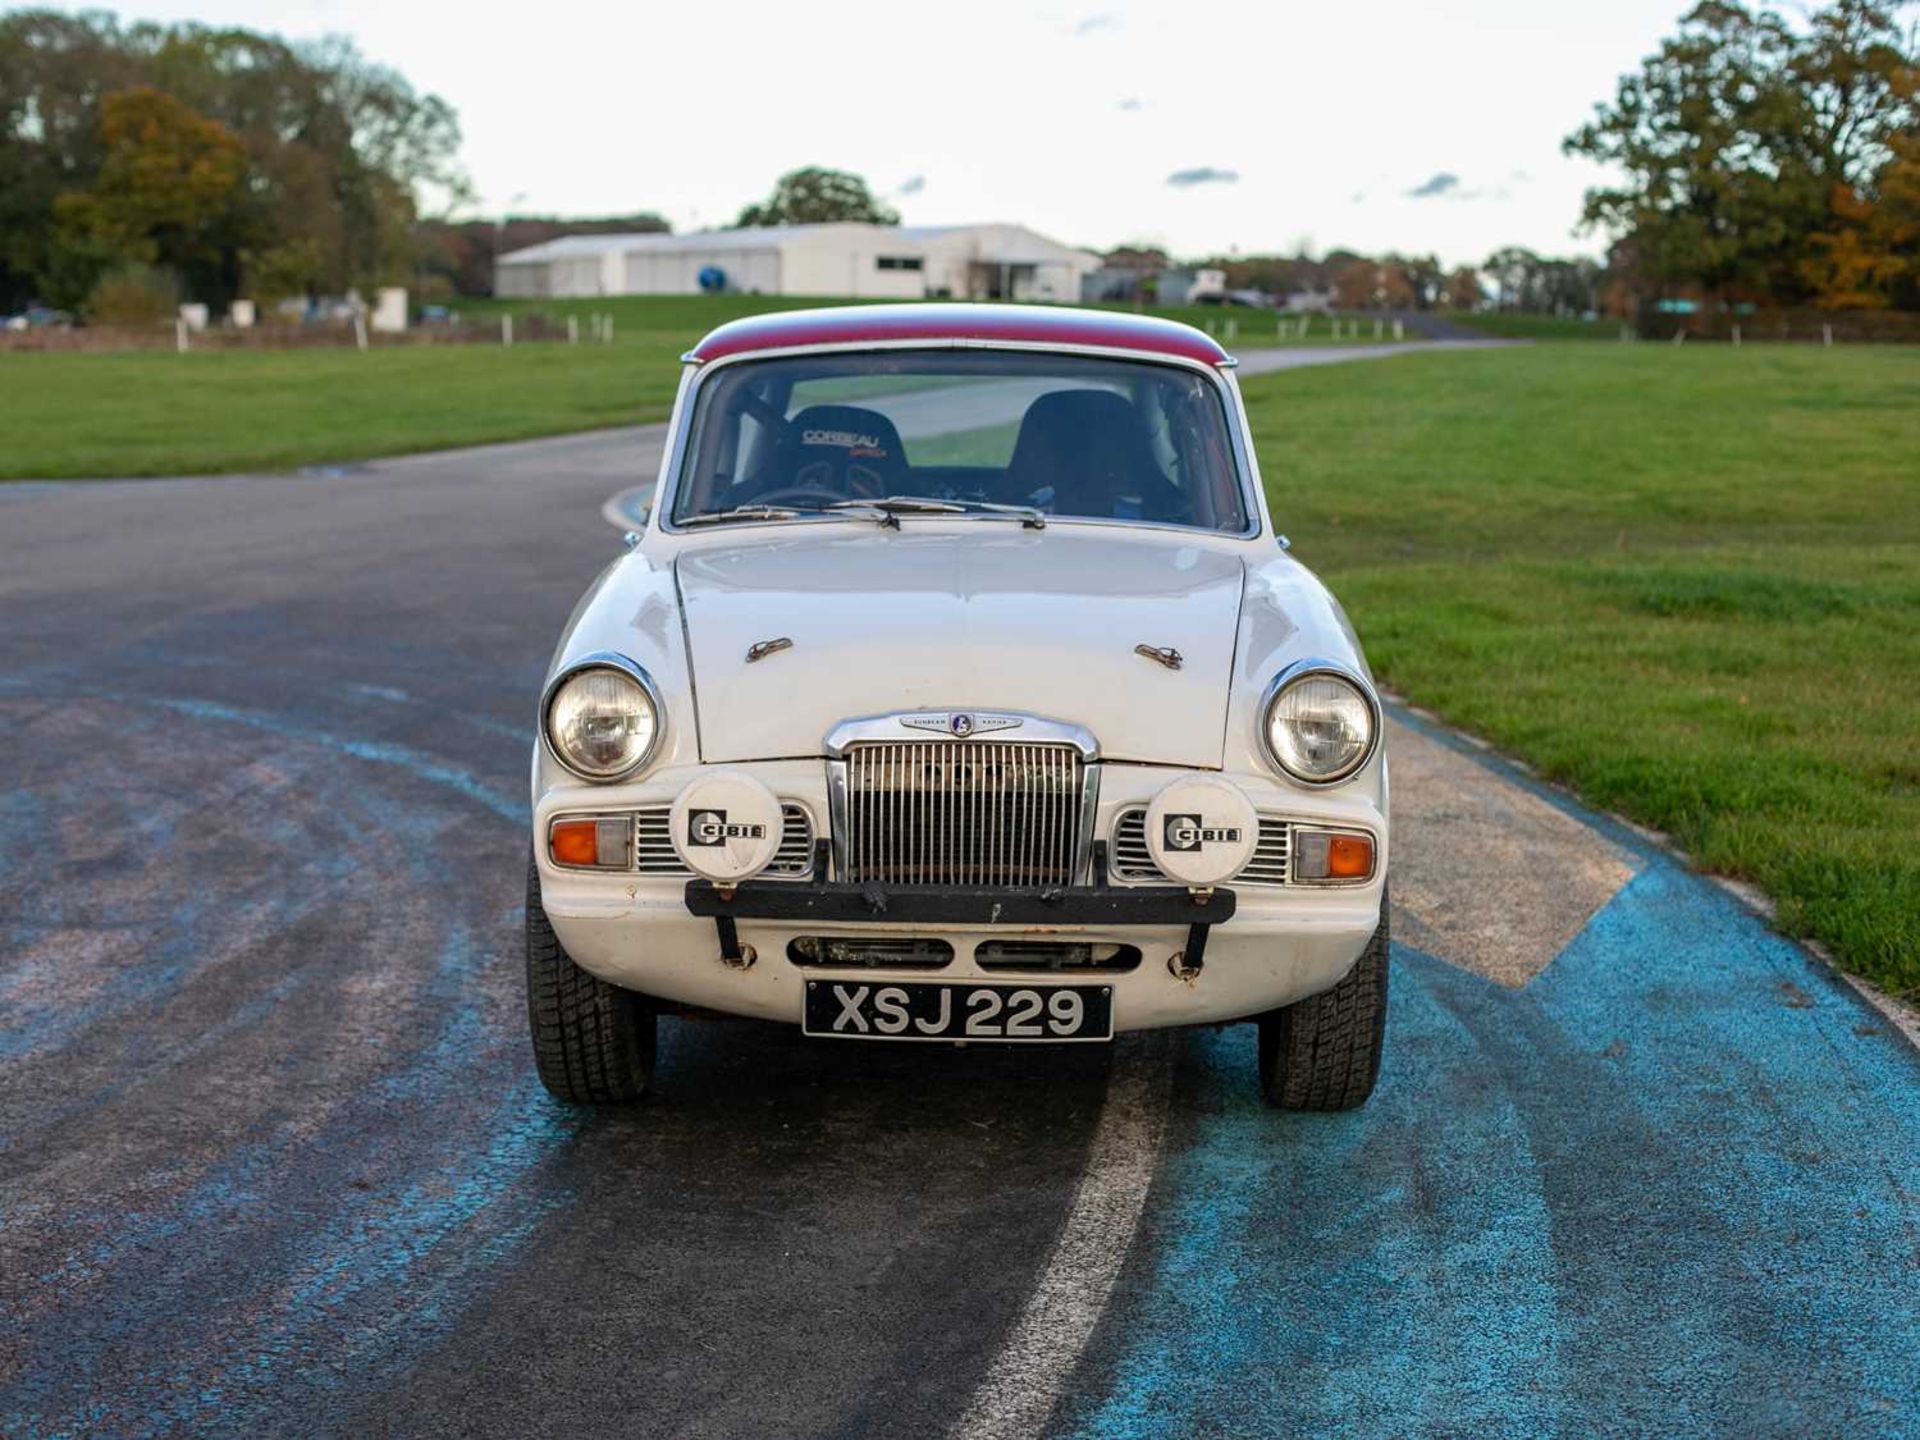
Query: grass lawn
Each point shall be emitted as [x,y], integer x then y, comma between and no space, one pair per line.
[1538,327]
[158,413]
[1686,583]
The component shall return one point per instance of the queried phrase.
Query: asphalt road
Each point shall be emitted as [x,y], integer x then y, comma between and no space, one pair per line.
[273,1161]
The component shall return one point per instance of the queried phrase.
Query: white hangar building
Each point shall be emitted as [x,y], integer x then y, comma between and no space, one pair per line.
[969,262]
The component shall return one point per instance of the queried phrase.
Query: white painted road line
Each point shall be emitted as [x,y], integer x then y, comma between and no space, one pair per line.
[1024,1382]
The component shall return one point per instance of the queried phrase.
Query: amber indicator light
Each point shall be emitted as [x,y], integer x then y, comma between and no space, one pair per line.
[574,842]
[1349,857]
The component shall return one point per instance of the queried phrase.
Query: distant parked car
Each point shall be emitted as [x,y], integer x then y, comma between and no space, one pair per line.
[1248,299]
[960,690]
[38,317]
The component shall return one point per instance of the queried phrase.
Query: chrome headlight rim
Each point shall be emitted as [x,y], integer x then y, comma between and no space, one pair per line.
[602,660]
[1307,670]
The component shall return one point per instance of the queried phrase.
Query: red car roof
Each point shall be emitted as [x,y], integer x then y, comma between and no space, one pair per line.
[1024,324]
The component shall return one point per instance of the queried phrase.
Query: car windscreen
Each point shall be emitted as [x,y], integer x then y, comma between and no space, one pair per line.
[1072,436]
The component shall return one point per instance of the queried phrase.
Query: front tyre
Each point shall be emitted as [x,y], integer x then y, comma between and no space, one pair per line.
[1323,1052]
[593,1043]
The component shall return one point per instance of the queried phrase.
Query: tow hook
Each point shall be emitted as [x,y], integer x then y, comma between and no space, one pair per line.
[1186,964]
[733,954]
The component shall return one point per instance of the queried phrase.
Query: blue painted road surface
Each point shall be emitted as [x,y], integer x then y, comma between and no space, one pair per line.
[1670,1187]
[272,1160]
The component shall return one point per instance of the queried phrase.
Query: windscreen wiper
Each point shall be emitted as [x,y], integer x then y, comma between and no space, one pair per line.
[892,505]
[1027,515]
[746,512]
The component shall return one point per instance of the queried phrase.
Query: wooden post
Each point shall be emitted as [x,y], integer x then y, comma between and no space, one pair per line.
[180,335]
[1680,337]
[1736,337]
[1826,335]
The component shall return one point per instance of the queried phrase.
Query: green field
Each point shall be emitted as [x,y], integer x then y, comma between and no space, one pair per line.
[1686,583]
[1538,327]
[158,413]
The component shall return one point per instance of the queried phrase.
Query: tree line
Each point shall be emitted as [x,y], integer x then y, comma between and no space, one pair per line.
[212,161]
[1758,162]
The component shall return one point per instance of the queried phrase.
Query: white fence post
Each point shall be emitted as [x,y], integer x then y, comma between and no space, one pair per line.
[609,339]
[1399,331]
[506,332]
[1679,337]
[573,329]
[360,329]
[180,335]
[1736,337]
[1826,335]
[1233,328]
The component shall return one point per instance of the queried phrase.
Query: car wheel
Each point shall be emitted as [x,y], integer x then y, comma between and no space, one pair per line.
[1323,1052]
[593,1043]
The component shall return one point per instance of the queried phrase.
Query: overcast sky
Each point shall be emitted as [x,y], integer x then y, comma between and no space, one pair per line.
[1201,126]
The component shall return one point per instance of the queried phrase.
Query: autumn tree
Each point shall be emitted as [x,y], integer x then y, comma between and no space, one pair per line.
[1743,139]
[1462,289]
[1354,284]
[817,196]
[168,188]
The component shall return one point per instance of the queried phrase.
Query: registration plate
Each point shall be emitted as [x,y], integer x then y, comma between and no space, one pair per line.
[994,1014]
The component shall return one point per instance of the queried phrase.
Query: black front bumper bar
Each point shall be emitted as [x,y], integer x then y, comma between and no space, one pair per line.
[826,902]
[951,905]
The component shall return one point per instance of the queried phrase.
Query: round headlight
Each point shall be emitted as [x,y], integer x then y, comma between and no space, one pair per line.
[602,721]
[1319,726]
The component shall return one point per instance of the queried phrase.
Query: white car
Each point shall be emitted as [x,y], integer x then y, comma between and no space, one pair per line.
[959,690]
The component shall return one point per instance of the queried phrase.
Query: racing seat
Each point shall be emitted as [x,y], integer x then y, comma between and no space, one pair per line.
[845,450]
[1091,447]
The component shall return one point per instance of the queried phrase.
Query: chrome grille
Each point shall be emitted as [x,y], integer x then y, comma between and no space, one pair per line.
[964,812]
[1130,860]
[653,845]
